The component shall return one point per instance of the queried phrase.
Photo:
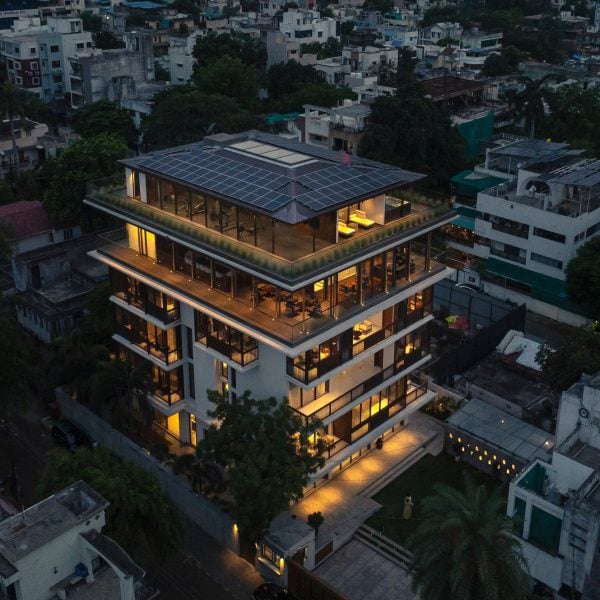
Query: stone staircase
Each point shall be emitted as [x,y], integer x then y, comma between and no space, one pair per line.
[381,544]
[428,447]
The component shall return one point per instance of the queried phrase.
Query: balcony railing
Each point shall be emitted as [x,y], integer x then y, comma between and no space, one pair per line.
[508,256]
[521,232]
[117,249]
[356,392]
[115,199]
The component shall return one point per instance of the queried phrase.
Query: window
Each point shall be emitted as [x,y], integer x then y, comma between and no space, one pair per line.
[549,235]
[546,260]
[67,234]
[192,386]
[57,78]
[35,80]
[35,66]
[88,45]
[17,65]
[591,230]
[80,46]
[55,64]
[54,49]
[32,51]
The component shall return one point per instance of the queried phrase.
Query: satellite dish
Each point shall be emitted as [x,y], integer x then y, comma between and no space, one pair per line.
[584,413]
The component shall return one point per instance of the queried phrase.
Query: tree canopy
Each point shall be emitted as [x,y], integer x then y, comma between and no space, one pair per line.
[19,376]
[85,160]
[583,277]
[320,93]
[579,353]
[330,48]
[229,76]
[183,114]
[464,547]
[139,517]
[105,116]
[267,454]
[287,78]
[410,131]
[244,47]
[504,63]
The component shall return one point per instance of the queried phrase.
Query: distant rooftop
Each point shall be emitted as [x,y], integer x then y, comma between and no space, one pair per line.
[25,219]
[283,178]
[505,432]
[25,532]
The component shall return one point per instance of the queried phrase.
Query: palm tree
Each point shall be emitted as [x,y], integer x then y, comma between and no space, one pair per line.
[463,548]
[11,105]
[529,102]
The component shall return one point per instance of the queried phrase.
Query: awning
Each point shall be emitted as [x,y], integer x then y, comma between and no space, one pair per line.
[468,183]
[464,222]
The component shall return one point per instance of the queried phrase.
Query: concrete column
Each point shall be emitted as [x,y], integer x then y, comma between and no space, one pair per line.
[127,588]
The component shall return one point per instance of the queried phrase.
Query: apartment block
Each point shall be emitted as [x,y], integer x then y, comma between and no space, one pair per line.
[307,26]
[255,262]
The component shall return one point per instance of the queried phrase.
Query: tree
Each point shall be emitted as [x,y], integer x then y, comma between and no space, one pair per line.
[86,160]
[529,103]
[183,114]
[332,47]
[242,46]
[579,353]
[230,77]
[504,63]
[383,6]
[11,106]
[464,547]
[267,454]
[106,40]
[19,376]
[574,117]
[90,21]
[321,94]
[287,78]
[439,14]
[410,131]
[139,516]
[583,277]
[105,116]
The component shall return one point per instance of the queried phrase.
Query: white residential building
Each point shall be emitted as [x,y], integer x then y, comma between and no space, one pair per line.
[544,207]
[357,62]
[296,274]
[432,34]
[307,26]
[37,57]
[55,549]
[181,57]
[280,49]
[556,504]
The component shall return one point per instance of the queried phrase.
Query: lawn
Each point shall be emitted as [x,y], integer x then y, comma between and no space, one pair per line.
[418,481]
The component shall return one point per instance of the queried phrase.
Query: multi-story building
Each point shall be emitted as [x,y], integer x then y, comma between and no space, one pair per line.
[104,74]
[181,57]
[255,262]
[37,55]
[543,206]
[307,26]
[281,50]
[556,504]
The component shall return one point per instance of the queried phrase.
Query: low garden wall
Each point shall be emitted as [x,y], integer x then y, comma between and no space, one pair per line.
[199,509]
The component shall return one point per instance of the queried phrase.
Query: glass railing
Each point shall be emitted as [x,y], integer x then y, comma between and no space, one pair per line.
[163,353]
[422,212]
[117,248]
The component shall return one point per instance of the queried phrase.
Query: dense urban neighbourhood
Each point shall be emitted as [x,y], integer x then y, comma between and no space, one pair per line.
[289,288]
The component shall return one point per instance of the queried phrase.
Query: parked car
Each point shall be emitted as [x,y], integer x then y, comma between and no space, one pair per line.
[68,435]
[270,591]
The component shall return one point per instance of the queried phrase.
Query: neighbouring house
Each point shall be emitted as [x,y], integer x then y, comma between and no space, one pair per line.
[307,26]
[338,128]
[56,549]
[543,206]
[556,503]
[280,49]
[51,272]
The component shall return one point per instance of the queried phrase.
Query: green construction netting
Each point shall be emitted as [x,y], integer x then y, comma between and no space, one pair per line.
[468,183]
[475,131]
[544,288]
[281,118]
[544,530]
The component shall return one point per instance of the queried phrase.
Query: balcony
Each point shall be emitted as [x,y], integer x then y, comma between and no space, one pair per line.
[424,213]
[324,407]
[289,327]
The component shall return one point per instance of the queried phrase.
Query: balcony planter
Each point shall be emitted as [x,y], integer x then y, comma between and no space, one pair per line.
[379,443]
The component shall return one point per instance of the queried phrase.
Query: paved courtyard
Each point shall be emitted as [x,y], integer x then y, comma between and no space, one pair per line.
[360,573]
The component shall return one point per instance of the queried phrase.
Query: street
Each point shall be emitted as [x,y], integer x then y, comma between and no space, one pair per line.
[203,570]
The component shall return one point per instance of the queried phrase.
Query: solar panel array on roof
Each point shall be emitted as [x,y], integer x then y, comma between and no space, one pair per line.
[270,173]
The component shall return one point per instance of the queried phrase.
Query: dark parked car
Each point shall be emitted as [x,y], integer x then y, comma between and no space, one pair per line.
[68,435]
[270,591]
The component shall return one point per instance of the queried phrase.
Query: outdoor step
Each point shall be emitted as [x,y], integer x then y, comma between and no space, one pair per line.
[390,475]
[429,446]
[383,545]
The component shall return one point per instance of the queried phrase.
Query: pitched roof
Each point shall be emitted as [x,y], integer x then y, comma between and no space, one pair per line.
[25,219]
